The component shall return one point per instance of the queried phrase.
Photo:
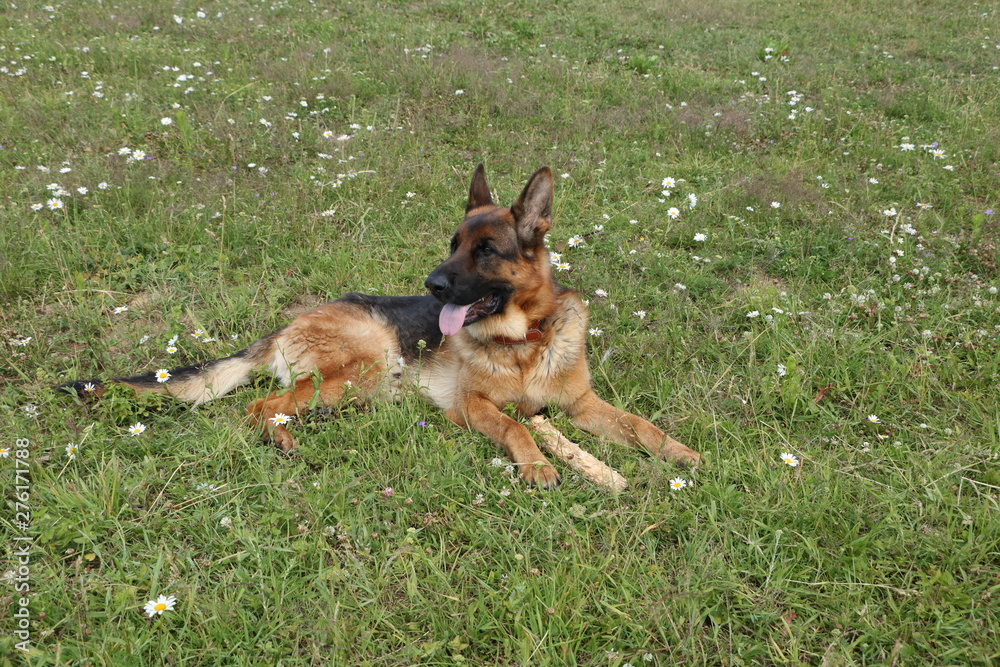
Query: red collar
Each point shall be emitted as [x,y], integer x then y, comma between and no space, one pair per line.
[530,336]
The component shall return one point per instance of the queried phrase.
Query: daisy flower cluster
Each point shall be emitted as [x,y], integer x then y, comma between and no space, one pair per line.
[200,14]
[557,261]
[421,51]
[19,341]
[20,71]
[133,154]
[574,242]
[768,53]
[769,318]
[877,423]
[669,186]
[196,74]
[933,149]
[322,179]
[318,107]
[188,80]
[56,194]
[904,242]
[162,375]
[794,97]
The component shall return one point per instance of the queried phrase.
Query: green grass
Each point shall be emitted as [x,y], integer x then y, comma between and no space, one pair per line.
[882,547]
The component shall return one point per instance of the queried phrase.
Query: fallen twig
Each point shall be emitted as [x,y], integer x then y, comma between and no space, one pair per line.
[575,457]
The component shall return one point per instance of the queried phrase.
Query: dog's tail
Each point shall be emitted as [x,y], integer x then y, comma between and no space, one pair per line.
[198,383]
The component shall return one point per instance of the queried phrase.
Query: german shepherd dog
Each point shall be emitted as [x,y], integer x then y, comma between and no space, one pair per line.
[495,330]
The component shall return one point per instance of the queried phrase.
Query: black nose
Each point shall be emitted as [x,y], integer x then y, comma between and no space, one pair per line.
[437,282]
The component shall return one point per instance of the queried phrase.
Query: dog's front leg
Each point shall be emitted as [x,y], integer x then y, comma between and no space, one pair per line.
[481,414]
[590,413]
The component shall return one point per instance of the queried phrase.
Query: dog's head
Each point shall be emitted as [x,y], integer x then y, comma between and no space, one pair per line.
[498,276]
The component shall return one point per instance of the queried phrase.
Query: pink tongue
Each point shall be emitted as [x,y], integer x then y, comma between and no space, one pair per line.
[452,318]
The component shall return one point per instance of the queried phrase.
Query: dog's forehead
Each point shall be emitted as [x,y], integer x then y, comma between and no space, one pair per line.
[495,223]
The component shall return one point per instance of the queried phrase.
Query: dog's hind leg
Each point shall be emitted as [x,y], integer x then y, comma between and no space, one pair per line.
[297,400]
[269,413]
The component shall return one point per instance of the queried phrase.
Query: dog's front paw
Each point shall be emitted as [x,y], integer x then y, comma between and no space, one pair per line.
[675,451]
[541,474]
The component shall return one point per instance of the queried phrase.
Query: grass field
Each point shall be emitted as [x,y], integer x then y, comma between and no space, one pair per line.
[190,176]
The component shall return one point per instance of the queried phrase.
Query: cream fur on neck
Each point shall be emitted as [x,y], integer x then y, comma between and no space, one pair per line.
[512,324]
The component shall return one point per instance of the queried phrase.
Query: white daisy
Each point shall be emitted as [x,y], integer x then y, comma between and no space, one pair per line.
[790,459]
[159,605]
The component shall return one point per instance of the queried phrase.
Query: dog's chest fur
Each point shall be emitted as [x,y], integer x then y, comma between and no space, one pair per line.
[531,372]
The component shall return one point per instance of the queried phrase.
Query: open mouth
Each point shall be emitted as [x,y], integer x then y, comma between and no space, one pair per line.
[453,317]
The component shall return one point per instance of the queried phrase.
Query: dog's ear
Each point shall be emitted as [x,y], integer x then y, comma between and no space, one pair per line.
[479,192]
[533,209]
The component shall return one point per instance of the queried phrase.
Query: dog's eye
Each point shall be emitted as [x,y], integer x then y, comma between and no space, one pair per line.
[487,250]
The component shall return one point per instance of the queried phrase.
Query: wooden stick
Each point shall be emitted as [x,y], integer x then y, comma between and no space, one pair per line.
[575,457]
